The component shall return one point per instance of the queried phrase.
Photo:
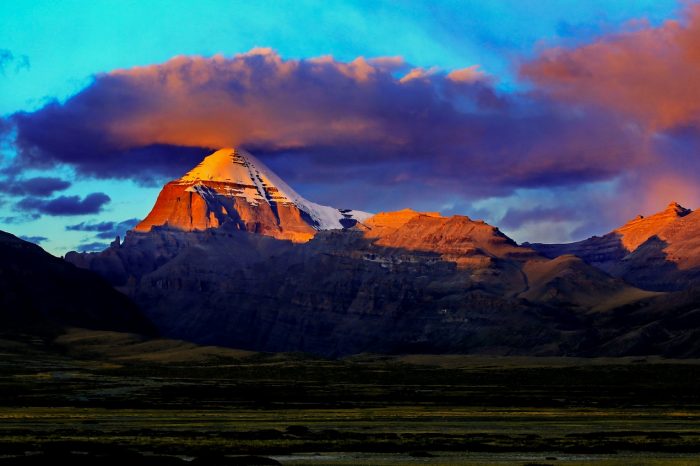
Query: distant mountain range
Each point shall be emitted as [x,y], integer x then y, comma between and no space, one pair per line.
[660,252]
[231,255]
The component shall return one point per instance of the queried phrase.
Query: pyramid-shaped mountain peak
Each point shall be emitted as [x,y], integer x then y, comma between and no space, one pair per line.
[226,165]
[233,187]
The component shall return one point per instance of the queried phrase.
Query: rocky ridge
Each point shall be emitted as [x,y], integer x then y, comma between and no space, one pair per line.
[659,252]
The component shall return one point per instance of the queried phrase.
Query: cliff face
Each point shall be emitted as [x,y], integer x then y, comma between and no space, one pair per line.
[199,205]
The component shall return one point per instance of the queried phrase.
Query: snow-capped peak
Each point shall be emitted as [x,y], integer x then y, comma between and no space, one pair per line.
[249,178]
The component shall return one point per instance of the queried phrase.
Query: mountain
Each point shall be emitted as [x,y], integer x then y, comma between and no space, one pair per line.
[660,252]
[403,281]
[232,186]
[40,291]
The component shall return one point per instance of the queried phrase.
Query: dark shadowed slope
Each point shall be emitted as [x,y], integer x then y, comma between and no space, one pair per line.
[38,290]
[406,282]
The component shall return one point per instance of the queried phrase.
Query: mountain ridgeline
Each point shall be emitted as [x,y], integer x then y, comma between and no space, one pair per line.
[231,255]
[660,252]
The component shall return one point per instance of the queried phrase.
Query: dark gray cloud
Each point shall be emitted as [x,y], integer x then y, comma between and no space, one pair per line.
[87,226]
[34,239]
[105,230]
[65,205]
[94,246]
[38,186]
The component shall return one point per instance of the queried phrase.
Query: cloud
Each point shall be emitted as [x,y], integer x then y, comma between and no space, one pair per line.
[105,230]
[65,205]
[515,218]
[23,217]
[39,186]
[34,239]
[648,73]
[12,62]
[332,119]
[467,75]
[646,77]
[95,246]
[86,226]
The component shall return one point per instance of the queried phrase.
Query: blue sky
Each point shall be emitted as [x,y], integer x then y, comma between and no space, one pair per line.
[57,47]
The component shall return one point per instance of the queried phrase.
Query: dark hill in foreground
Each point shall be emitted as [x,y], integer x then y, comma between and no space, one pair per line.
[39,291]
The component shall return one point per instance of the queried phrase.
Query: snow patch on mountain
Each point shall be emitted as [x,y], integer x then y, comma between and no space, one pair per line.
[249,178]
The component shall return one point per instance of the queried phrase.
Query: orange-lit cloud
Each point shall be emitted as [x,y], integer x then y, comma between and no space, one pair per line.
[467,75]
[650,74]
[435,128]
[254,98]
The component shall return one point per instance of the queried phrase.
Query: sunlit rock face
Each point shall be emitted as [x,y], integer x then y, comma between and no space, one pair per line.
[659,252]
[232,186]
[458,238]
[635,232]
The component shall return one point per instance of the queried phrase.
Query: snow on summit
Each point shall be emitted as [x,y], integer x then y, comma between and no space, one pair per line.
[258,183]
[231,185]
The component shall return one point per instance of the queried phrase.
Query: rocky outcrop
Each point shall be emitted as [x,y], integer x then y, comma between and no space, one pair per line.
[637,231]
[458,238]
[567,281]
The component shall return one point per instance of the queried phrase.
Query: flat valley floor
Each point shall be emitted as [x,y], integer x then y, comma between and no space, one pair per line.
[88,396]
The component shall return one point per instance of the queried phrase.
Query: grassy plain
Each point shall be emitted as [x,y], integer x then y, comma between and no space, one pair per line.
[87,394]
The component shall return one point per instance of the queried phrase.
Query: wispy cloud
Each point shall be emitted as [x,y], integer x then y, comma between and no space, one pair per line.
[105,230]
[34,239]
[10,62]
[65,205]
[93,246]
